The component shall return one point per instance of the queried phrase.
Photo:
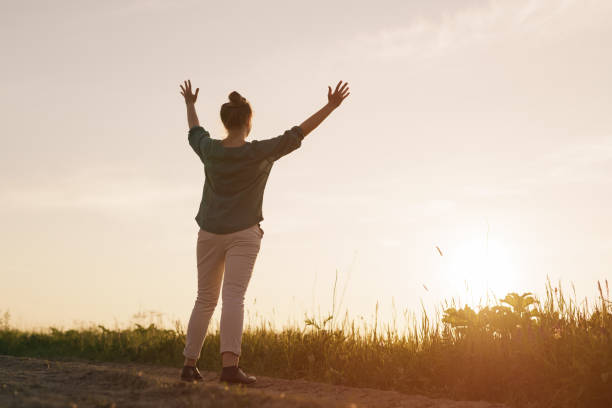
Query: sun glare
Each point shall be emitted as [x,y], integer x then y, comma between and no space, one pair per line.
[480,267]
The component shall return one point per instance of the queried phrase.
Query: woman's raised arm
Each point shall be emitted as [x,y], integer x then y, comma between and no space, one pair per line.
[333,101]
[190,100]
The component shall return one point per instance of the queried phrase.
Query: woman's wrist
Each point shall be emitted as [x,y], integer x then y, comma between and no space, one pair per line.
[330,107]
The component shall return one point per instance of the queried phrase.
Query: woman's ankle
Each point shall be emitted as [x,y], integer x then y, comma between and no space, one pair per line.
[229,359]
[190,362]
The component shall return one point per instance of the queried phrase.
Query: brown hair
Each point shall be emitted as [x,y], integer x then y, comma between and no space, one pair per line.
[237,112]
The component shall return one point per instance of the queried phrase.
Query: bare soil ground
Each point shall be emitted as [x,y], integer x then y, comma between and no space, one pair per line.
[31,382]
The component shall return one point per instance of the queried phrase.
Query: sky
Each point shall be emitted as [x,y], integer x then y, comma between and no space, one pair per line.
[479,127]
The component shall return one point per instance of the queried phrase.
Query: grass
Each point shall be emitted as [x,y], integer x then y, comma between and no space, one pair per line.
[520,350]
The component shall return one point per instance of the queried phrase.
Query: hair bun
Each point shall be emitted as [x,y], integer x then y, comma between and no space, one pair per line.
[237,99]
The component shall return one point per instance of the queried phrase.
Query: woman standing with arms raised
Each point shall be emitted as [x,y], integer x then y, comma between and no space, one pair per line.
[236,172]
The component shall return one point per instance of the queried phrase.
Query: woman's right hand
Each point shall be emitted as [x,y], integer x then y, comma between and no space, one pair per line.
[335,99]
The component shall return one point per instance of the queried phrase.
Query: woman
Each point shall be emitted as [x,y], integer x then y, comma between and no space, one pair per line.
[229,218]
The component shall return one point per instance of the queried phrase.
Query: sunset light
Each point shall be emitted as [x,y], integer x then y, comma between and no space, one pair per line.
[481,268]
[364,204]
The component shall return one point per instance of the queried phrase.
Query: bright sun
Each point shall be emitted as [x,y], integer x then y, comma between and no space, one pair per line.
[481,267]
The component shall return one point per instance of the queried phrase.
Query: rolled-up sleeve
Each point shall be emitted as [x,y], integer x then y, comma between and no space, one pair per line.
[199,140]
[279,146]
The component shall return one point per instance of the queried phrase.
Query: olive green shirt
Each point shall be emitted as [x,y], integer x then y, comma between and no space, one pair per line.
[235,178]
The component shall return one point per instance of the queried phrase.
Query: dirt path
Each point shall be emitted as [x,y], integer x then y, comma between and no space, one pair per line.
[31,382]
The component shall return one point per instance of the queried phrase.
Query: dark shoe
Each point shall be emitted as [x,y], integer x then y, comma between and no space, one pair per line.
[235,375]
[191,374]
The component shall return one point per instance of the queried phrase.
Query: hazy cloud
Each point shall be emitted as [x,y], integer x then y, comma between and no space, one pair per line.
[112,190]
[583,162]
[426,37]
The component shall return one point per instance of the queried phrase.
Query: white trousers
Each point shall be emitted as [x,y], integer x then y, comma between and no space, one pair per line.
[232,255]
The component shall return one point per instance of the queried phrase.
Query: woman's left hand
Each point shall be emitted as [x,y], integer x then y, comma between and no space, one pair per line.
[189,96]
